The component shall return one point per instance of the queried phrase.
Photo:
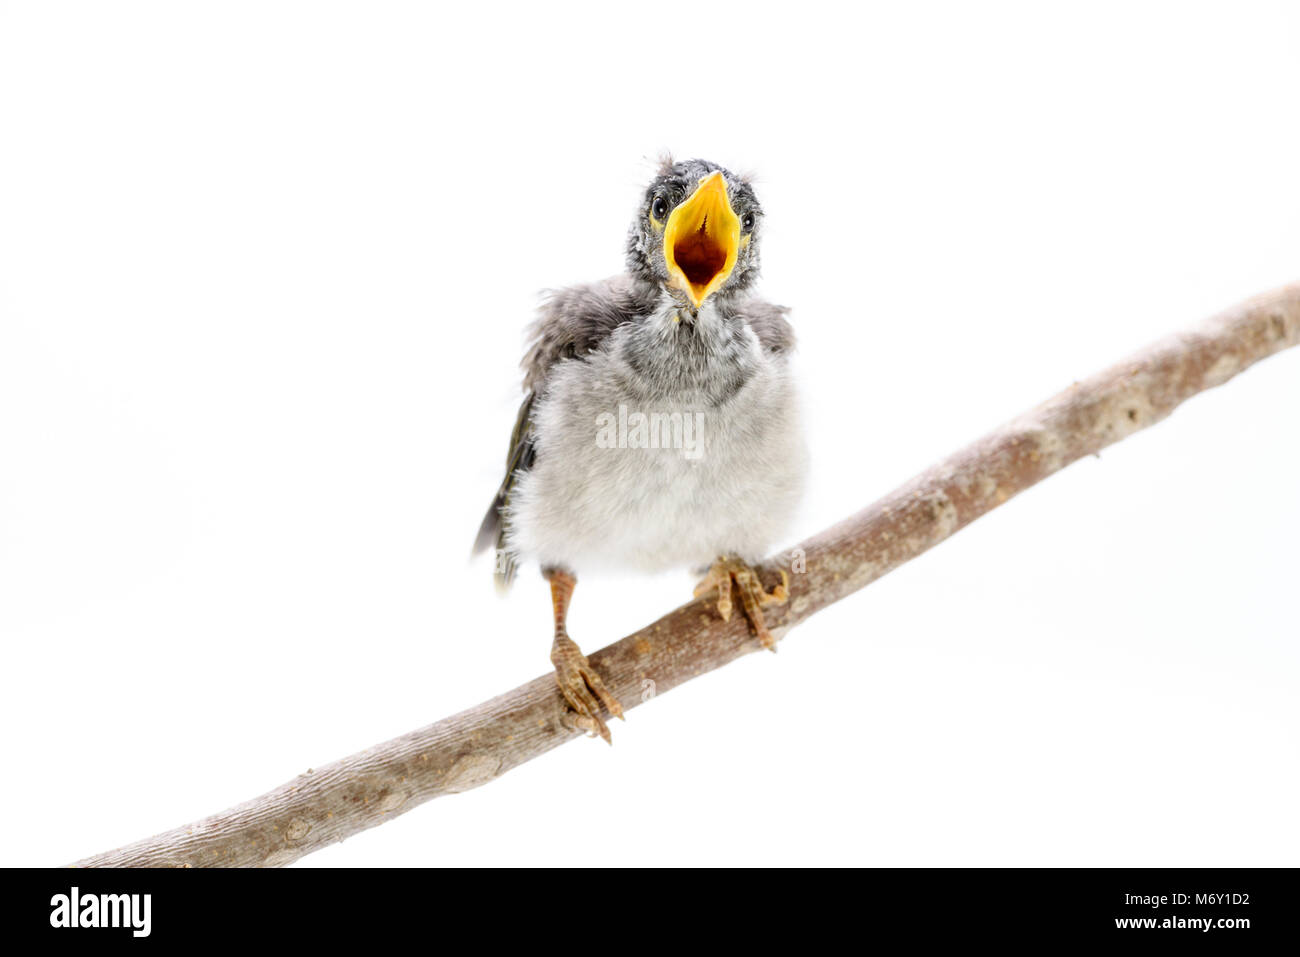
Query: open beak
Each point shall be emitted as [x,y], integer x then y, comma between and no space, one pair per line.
[701,239]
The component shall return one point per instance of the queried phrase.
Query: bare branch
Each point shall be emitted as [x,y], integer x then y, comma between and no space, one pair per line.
[471,748]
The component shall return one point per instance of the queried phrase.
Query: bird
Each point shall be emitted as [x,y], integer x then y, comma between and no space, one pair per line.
[660,426]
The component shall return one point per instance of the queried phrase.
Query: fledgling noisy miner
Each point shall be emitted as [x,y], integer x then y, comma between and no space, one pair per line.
[660,426]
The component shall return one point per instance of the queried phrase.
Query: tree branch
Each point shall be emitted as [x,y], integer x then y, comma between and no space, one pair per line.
[328,804]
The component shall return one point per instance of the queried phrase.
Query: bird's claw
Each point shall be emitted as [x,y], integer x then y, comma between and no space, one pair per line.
[753,598]
[583,689]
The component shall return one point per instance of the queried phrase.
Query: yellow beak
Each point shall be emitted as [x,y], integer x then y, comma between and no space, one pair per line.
[701,240]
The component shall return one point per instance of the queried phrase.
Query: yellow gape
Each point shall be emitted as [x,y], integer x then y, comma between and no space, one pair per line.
[701,240]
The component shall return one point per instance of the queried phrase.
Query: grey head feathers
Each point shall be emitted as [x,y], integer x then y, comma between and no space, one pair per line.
[672,185]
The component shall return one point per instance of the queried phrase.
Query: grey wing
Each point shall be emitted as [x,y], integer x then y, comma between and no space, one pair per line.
[775,334]
[573,322]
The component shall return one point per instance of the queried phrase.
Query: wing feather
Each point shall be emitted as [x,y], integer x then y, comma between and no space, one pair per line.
[573,323]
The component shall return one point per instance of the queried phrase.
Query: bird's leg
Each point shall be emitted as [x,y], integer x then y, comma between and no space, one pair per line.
[753,598]
[581,686]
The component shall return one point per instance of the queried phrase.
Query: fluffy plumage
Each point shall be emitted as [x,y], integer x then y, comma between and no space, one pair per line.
[715,376]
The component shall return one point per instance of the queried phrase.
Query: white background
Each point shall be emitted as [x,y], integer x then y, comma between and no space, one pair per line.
[264,274]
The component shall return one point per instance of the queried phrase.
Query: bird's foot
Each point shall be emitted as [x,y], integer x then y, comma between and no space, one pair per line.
[582,688]
[753,598]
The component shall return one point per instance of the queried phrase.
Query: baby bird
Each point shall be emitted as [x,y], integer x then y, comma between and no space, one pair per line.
[660,426]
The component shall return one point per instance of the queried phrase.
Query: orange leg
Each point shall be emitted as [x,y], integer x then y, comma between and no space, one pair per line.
[753,598]
[581,686]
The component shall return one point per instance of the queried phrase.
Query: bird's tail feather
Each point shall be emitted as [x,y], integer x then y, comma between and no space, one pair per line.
[519,458]
[490,530]
[492,534]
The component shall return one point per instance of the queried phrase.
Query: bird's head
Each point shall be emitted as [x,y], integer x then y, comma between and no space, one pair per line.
[696,232]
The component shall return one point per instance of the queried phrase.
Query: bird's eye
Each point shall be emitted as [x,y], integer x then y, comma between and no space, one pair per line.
[659,208]
[747,222]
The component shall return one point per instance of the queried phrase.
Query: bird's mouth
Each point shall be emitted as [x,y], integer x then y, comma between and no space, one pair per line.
[701,240]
